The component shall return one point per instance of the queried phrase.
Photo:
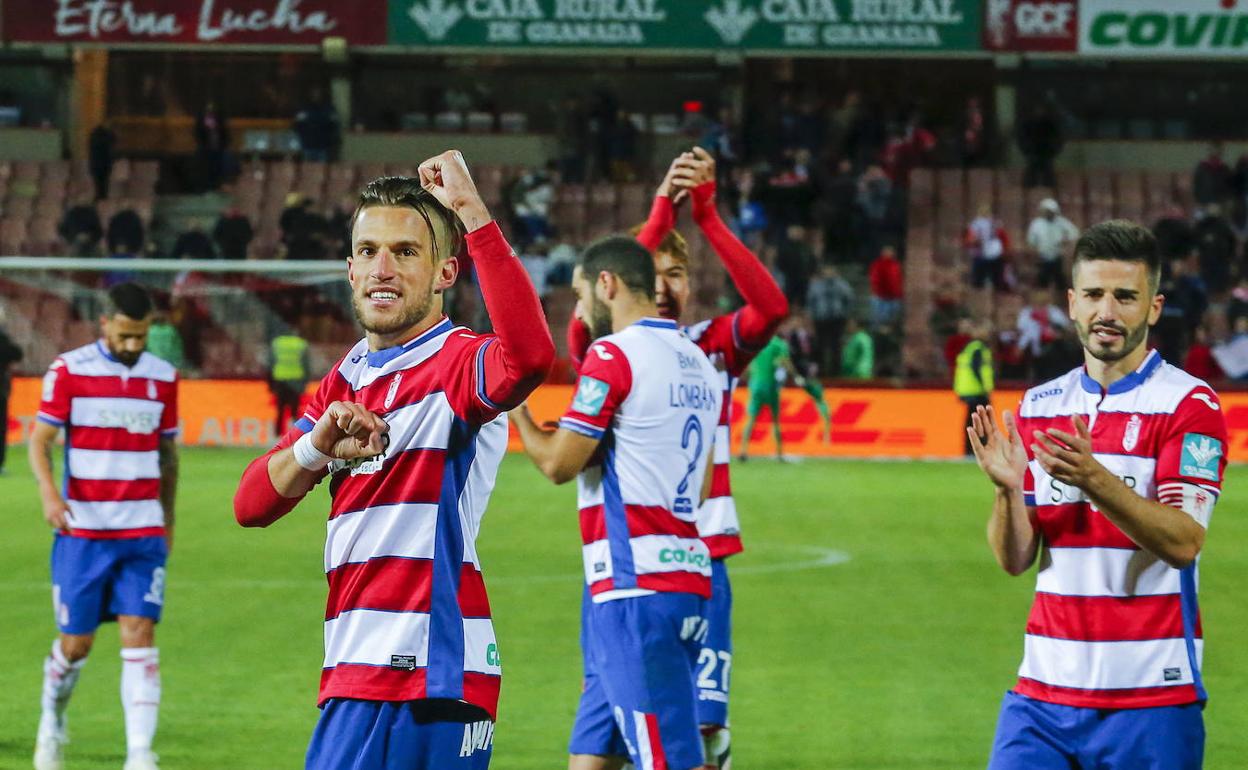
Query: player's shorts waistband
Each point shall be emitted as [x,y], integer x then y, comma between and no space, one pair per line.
[427,710]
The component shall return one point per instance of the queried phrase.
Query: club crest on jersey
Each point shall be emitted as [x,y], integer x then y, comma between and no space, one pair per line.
[591,395]
[393,390]
[151,390]
[1131,436]
[1200,456]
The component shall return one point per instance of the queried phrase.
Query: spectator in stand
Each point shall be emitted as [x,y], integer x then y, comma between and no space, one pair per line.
[788,194]
[973,375]
[572,139]
[866,135]
[194,243]
[1040,139]
[1216,246]
[840,120]
[233,233]
[829,300]
[621,148]
[875,200]
[212,143]
[1200,361]
[1175,236]
[1185,306]
[858,354]
[10,354]
[100,157]
[530,197]
[837,213]
[1237,305]
[1042,328]
[973,136]
[796,262]
[986,244]
[907,149]
[1212,180]
[304,231]
[318,129]
[962,334]
[887,289]
[1048,236]
[81,229]
[339,234]
[720,138]
[126,233]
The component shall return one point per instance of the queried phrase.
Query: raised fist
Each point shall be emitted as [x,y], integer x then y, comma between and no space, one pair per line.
[446,178]
[347,431]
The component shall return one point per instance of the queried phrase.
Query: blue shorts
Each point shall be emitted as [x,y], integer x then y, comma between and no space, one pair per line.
[715,659]
[385,735]
[1034,735]
[94,581]
[639,697]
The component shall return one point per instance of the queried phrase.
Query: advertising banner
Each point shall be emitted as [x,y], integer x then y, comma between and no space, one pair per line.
[1151,28]
[246,22]
[866,422]
[796,25]
[1031,25]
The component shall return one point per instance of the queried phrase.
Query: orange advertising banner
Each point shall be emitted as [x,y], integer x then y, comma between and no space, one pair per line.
[865,422]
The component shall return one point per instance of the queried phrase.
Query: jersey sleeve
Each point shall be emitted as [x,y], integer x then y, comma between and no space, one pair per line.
[169,417]
[721,336]
[54,403]
[605,381]
[1191,458]
[465,358]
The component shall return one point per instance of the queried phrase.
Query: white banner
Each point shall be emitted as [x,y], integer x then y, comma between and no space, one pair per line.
[1151,28]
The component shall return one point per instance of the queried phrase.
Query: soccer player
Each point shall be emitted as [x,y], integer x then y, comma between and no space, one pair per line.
[764,386]
[113,515]
[409,425]
[730,341]
[638,438]
[1114,469]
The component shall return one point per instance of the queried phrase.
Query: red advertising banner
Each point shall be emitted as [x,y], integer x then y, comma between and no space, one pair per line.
[1031,25]
[866,422]
[235,22]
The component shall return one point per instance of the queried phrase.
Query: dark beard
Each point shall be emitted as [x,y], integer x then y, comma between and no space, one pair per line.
[405,321]
[599,318]
[1131,339]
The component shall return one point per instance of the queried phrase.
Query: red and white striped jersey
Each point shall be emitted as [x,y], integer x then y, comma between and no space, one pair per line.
[717,518]
[407,616]
[114,417]
[1113,626]
[653,398]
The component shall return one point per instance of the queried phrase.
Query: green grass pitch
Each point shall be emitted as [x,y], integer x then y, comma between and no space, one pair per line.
[895,658]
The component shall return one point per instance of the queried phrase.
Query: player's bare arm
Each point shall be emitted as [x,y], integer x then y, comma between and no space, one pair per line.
[1163,530]
[168,484]
[1012,532]
[39,450]
[559,454]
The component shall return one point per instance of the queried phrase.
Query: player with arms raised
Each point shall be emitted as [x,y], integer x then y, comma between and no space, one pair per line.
[113,516]
[1114,469]
[730,341]
[409,425]
[638,439]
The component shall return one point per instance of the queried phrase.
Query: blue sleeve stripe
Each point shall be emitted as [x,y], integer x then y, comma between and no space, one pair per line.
[171,432]
[304,425]
[485,399]
[41,417]
[1029,500]
[581,428]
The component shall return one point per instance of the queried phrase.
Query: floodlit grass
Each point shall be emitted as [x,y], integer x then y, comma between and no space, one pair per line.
[895,658]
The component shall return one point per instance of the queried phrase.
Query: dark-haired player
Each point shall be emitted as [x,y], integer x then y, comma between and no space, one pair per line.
[638,439]
[113,515]
[410,428]
[731,341]
[1113,468]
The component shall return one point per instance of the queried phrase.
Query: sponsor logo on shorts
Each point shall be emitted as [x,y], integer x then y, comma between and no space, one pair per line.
[478,736]
[156,591]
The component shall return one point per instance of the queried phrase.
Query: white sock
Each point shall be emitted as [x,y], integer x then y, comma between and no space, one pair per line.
[59,678]
[140,696]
